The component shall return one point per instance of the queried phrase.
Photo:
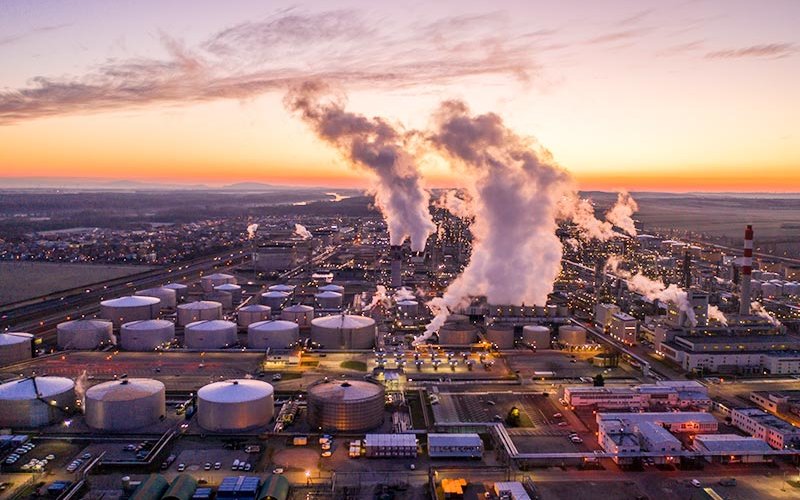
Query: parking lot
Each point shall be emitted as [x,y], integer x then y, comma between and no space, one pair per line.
[536,410]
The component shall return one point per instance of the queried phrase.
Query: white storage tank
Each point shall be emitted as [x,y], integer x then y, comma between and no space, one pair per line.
[84,334]
[198,311]
[181,290]
[35,401]
[235,405]
[344,331]
[272,334]
[457,334]
[223,298]
[282,288]
[125,404]
[130,308]
[345,406]
[234,290]
[537,336]
[147,335]
[298,313]
[501,335]
[253,313]
[275,300]
[168,296]
[328,300]
[210,281]
[15,347]
[331,288]
[571,335]
[408,308]
[210,334]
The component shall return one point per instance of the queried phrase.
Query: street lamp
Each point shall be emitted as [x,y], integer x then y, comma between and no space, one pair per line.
[308,478]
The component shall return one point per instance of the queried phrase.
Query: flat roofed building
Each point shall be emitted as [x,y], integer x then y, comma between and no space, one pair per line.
[390,445]
[455,446]
[729,448]
[777,432]
[624,328]
[513,490]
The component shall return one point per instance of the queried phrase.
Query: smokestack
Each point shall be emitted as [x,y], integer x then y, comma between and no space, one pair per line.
[396,255]
[687,271]
[747,268]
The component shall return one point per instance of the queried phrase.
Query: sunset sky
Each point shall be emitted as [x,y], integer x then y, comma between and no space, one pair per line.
[665,96]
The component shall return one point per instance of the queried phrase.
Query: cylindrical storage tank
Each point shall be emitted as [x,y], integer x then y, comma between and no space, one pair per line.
[35,402]
[457,318]
[181,290]
[130,308]
[168,296]
[344,331]
[146,335]
[275,300]
[235,405]
[537,336]
[282,288]
[457,334]
[407,308]
[331,288]
[563,311]
[253,313]
[223,298]
[501,335]
[211,334]
[571,335]
[198,311]
[272,334]
[84,334]
[15,347]
[234,290]
[125,404]
[345,406]
[298,313]
[551,310]
[209,282]
[328,300]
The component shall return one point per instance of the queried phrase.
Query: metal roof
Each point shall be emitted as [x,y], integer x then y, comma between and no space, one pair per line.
[454,440]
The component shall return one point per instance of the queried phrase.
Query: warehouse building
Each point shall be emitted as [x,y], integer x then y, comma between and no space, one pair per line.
[390,445]
[455,446]
[777,432]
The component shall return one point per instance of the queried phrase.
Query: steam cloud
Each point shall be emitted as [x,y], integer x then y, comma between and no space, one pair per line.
[715,313]
[621,213]
[301,231]
[758,309]
[379,297]
[251,231]
[381,149]
[456,202]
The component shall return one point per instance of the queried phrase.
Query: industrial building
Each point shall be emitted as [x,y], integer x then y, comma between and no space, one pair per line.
[356,405]
[732,448]
[455,446]
[663,394]
[390,445]
[623,327]
[776,432]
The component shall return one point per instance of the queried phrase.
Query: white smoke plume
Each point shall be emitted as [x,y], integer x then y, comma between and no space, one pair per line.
[621,214]
[653,289]
[80,387]
[301,231]
[581,212]
[758,309]
[715,313]
[404,293]
[380,148]
[379,297]
[251,231]
[457,202]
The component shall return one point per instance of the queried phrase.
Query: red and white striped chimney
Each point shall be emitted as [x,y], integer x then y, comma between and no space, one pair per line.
[747,268]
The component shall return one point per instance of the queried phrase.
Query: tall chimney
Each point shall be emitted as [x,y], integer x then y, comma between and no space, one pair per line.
[747,268]
[396,254]
[687,271]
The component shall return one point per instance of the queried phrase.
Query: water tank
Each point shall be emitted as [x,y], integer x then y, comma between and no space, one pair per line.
[130,308]
[84,334]
[501,335]
[125,404]
[146,335]
[537,336]
[273,334]
[328,300]
[223,298]
[234,290]
[35,402]
[210,334]
[274,300]
[298,313]
[15,347]
[210,281]
[457,334]
[331,288]
[457,318]
[168,296]
[253,313]
[198,311]
[181,290]
[235,405]
[282,288]
[408,308]
[344,331]
[571,335]
[345,406]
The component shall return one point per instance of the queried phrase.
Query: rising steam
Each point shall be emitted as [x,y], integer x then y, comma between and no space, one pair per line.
[457,202]
[379,297]
[715,313]
[251,231]
[758,309]
[301,231]
[380,148]
[621,214]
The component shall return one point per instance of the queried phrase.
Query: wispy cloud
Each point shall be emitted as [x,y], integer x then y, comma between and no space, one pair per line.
[252,58]
[617,36]
[770,50]
[8,39]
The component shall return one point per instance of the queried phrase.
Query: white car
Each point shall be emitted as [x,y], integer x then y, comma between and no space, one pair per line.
[277,470]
